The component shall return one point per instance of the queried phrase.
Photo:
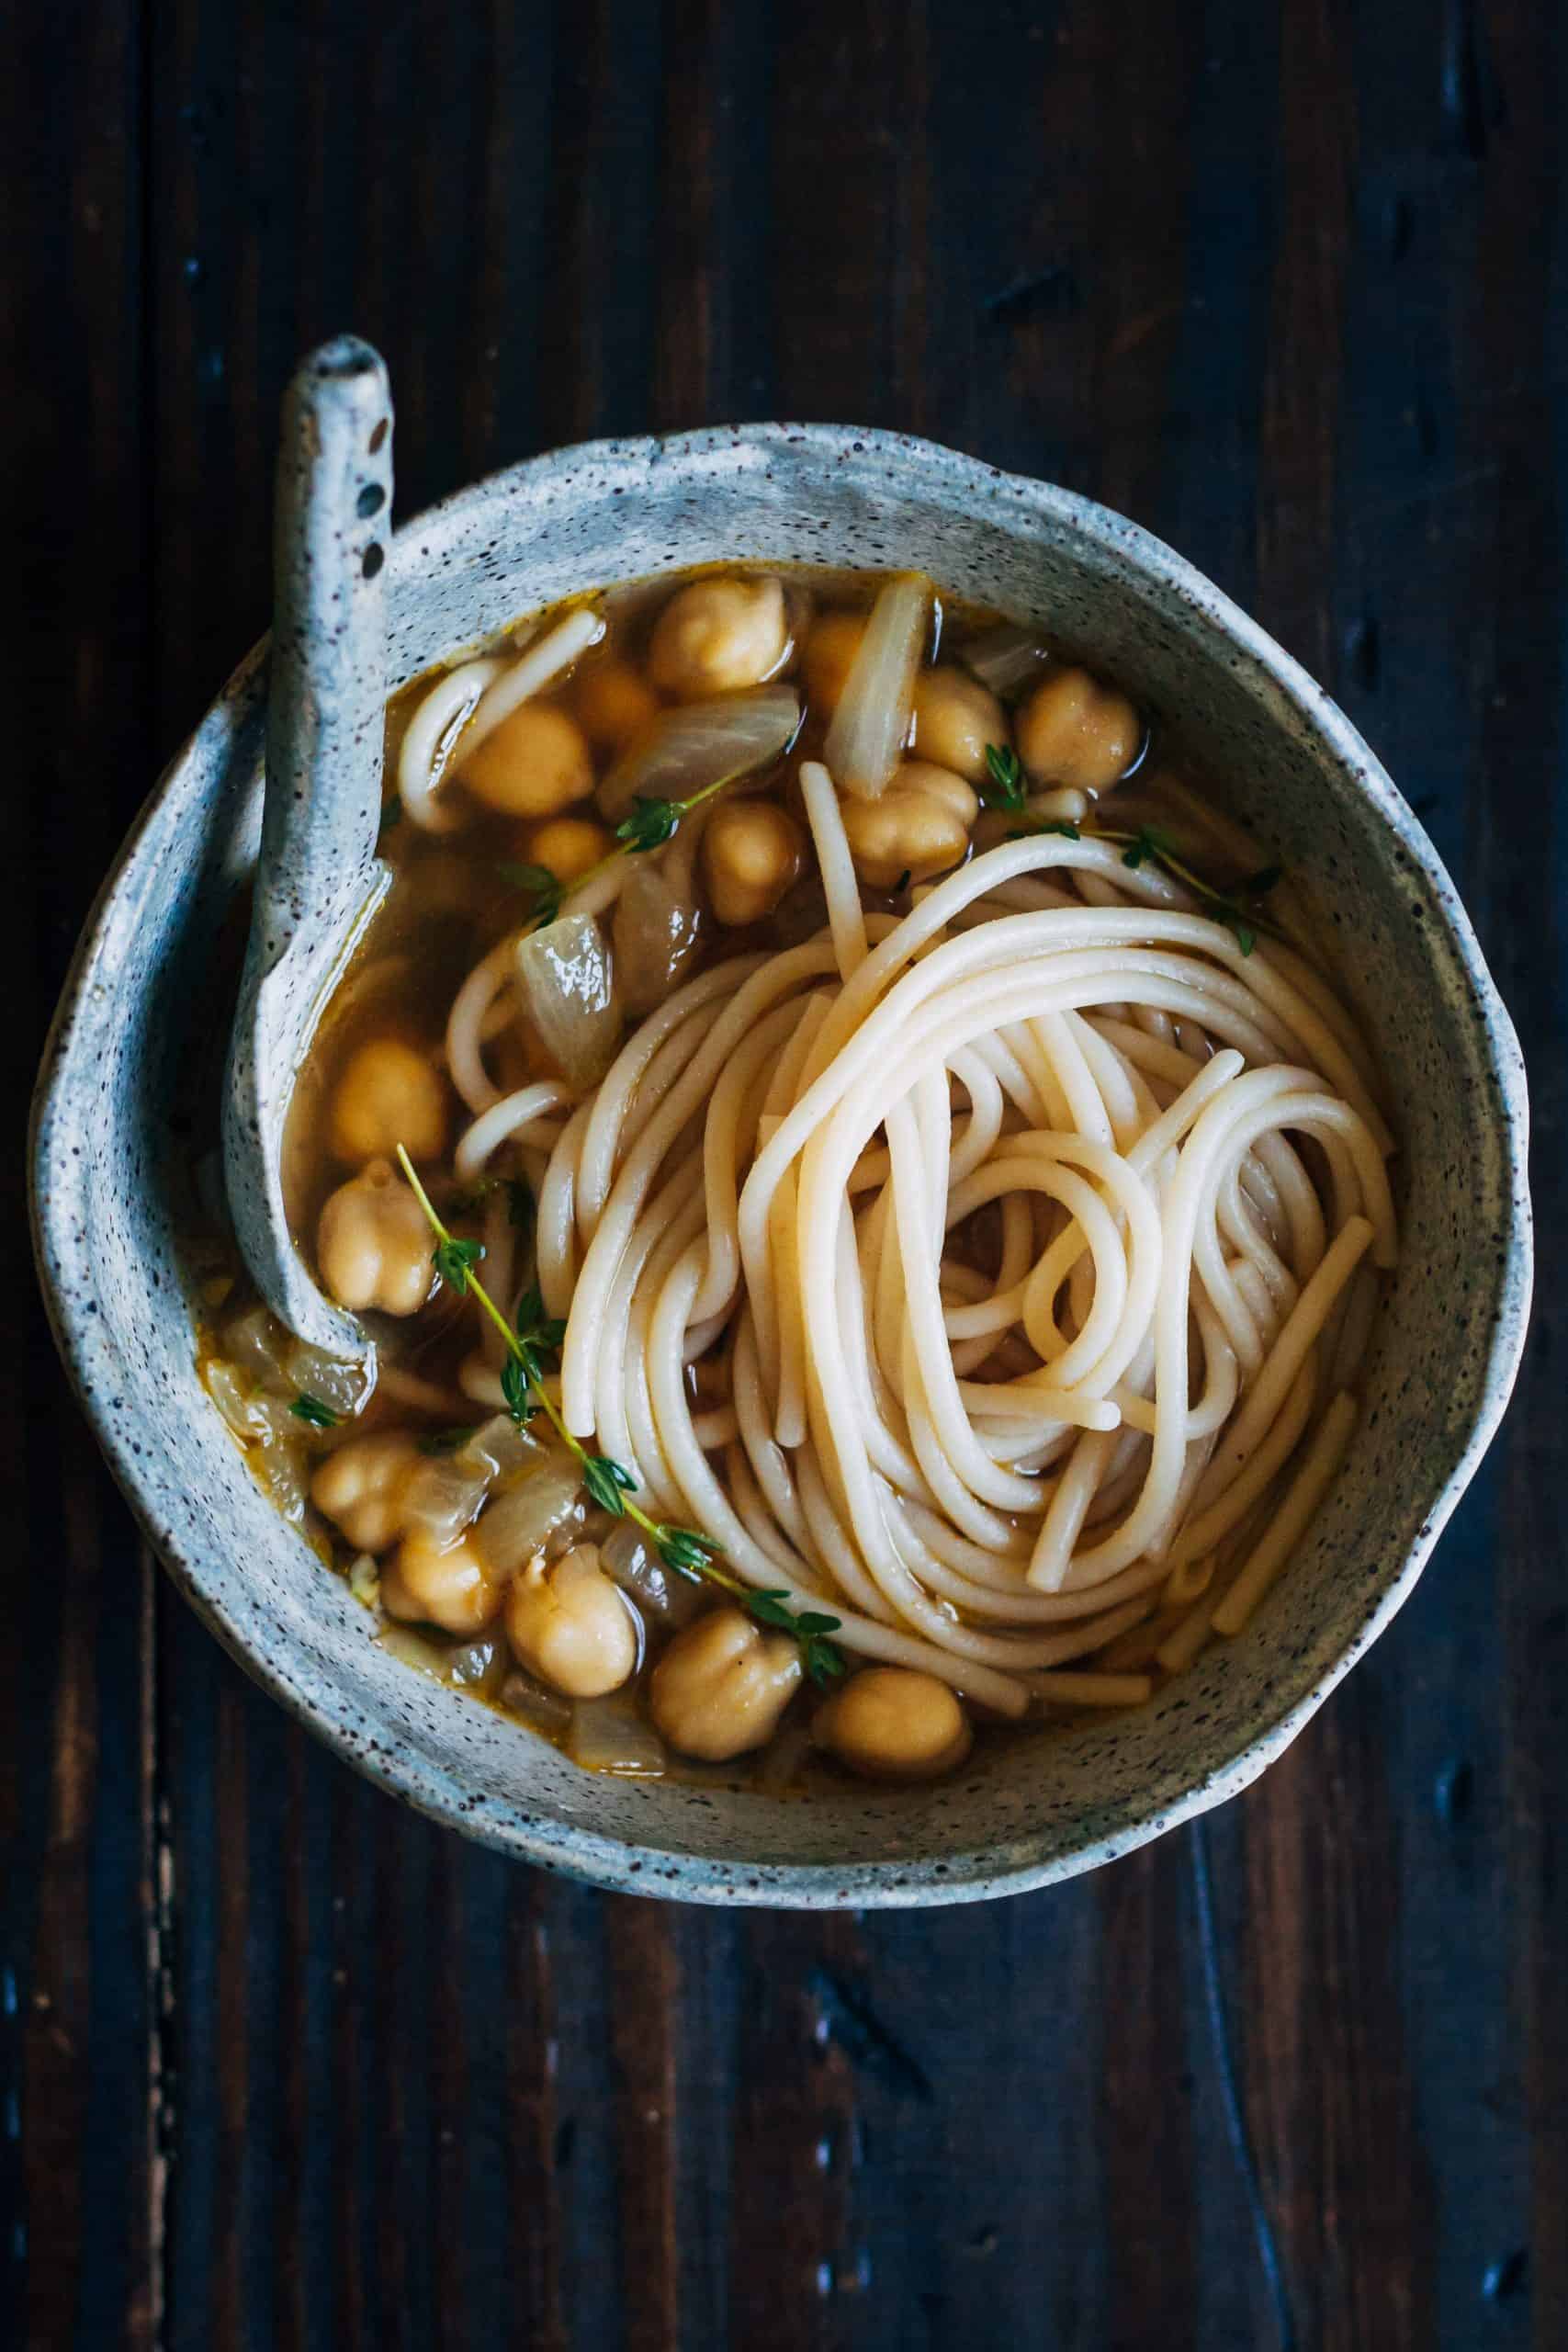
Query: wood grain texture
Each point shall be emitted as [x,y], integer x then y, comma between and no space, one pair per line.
[287,2067]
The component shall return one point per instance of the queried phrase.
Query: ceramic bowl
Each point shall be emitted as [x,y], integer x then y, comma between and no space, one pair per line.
[139,1014]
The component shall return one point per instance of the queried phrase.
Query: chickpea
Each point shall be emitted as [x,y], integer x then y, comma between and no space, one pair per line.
[955,717]
[1074,730]
[570,1627]
[445,1585]
[373,1244]
[722,1685]
[752,855]
[829,656]
[390,1093]
[568,845]
[614,705]
[718,635]
[361,1486]
[533,764]
[891,1723]
[920,827]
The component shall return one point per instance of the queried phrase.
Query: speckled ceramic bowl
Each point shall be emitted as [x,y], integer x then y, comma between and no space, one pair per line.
[107,1178]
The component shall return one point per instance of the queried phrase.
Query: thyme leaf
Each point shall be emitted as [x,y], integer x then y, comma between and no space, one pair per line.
[314,1412]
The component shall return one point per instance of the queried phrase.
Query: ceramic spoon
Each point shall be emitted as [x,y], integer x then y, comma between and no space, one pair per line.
[319,880]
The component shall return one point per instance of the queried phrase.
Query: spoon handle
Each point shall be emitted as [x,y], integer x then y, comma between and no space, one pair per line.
[327,689]
[318,879]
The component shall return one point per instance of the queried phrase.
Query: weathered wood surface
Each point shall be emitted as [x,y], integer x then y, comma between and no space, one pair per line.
[287,2067]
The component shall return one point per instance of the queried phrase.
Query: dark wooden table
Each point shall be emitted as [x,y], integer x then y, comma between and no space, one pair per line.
[286,2066]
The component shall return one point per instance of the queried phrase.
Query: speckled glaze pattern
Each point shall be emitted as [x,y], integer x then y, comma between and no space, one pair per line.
[107,1177]
[318,880]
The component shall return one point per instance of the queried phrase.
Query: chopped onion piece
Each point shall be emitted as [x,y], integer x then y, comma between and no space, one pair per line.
[476,1666]
[365,1580]
[544,1710]
[231,1391]
[527,1513]
[501,1447]
[1004,659]
[609,1735]
[701,745]
[871,725]
[444,1496]
[281,1472]
[412,1649]
[657,931]
[671,1601]
[566,982]
[345,1387]
[256,1343]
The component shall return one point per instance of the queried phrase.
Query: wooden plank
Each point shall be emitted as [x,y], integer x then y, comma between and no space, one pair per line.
[1504,91]
[80,2257]
[1275,281]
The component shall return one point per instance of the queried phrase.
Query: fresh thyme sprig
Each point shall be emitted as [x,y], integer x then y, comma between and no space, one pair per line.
[542,888]
[647,826]
[537,1336]
[1237,908]
[1008,786]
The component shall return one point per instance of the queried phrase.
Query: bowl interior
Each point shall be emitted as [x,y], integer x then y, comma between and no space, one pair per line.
[140,1017]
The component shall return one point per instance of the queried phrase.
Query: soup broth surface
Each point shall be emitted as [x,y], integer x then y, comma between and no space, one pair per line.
[1025,1408]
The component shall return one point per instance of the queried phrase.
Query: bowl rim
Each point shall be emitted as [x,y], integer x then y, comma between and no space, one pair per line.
[1001,1866]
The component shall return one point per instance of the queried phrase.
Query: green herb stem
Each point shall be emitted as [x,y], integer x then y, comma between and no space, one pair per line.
[609,1482]
[648,826]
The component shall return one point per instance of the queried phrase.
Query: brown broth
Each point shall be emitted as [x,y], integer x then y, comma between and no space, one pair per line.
[452,898]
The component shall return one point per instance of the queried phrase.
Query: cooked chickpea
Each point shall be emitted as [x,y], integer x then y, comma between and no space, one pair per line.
[432,1584]
[533,764]
[614,705]
[955,717]
[570,1625]
[890,1724]
[829,658]
[390,1093]
[753,853]
[373,1244]
[722,1685]
[920,827]
[568,845]
[1074,730]
[361,1488]
[718,635]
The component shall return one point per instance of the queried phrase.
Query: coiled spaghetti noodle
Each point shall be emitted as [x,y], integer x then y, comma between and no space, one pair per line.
[1103,1428]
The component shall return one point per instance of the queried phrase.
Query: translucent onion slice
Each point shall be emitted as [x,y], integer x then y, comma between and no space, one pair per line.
[657,931]
[871,725]
[345,1387]
[478,1666]
[566,984]
[546,1711]
[526,1516]
[671,1601]
[444,1496]
[502,1448]
[1004,659]
[701,745]
[412,1649]
[609,1735]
